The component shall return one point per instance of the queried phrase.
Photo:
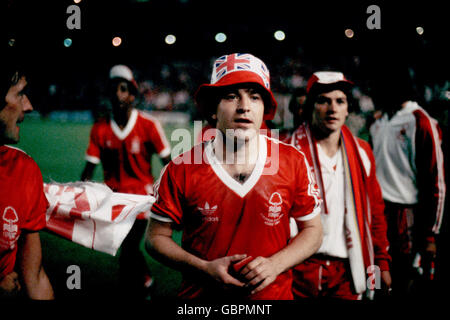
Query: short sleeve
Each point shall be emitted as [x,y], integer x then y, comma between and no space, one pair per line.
[93,149]
[169,198]
[37,202]
[307,196]
[159,140]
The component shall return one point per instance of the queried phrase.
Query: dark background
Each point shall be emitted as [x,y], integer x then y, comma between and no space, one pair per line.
[314,39]
[314,31]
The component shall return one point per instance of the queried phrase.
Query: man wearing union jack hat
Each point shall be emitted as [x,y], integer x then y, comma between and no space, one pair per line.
[233,206]
[353,255]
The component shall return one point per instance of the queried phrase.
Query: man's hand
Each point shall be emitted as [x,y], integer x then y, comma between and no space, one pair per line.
[259,273]
[219,269]
[9,285]
[430,249]
[386,281]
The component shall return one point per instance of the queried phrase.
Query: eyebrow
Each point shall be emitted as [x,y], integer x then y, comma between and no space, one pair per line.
[322,95]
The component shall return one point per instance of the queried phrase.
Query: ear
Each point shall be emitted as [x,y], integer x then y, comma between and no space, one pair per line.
[214,116]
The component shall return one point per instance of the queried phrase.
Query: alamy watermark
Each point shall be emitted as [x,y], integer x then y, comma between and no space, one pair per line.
[231,140]
[374,277]
[74,279]
[74,19]
[374,20]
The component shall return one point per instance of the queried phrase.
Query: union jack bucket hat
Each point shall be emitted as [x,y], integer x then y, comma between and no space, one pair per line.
[234,69]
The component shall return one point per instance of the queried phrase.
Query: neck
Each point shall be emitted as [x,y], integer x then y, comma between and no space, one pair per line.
[404,104]
[330,143]
[230,150]
[121,116]
[392,111]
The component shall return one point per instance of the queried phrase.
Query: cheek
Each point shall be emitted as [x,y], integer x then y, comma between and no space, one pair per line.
[345,111]
[259,113]
[316,115]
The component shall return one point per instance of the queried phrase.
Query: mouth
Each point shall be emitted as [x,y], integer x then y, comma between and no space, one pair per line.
[331,119]
[243,121]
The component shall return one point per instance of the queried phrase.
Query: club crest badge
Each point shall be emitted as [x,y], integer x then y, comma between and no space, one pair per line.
[135,145]
[274,214]
[9,229]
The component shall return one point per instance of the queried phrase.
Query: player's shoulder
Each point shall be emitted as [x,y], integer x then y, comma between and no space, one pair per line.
[145,116]
[14,152]
[193,156]
[285,149]
[17,156]
[187,164]
[423,119]
[101,123]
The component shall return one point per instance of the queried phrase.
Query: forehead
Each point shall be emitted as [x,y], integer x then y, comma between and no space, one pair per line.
[251,87]
[18,84]
[333,94]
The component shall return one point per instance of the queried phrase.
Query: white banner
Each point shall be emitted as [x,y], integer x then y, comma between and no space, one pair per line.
[92,215]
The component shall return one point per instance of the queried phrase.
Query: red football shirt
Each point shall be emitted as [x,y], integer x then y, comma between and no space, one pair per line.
[222,217]
[22,202]
[126,154]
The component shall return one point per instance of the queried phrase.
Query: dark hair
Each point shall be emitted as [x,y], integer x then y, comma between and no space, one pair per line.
[293,103]
[209,102]
[9,76]
[388,92]
[112,86]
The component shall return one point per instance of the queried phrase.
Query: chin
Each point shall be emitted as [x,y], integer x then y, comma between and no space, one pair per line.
[243,135]
[10,139]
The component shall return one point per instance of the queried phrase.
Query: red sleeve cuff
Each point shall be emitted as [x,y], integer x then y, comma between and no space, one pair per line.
[383,265]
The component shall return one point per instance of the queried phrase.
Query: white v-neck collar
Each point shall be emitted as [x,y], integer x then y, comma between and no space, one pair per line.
[240,189]
[329,163]
[122,134]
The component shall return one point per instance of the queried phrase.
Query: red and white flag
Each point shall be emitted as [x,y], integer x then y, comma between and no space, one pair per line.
[92,215]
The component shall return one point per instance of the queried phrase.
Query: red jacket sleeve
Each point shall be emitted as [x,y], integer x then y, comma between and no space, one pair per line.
[378,226]
[430,174]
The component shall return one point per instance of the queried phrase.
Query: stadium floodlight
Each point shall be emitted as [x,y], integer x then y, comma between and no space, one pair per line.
[67,42]
[349,33]
[221,37]
[170,39]
[117,41]
[279,35]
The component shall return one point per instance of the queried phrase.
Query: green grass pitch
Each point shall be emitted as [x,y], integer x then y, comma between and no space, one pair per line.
[59,148]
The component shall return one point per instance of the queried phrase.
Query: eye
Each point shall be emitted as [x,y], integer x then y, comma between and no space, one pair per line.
[322,100]
[341,101]
[230,96]
[255,96]
[123,88]
[22,93]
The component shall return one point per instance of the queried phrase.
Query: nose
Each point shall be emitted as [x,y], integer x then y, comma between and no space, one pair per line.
[243,104]
[120,93]
[26,104]
[333,106]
